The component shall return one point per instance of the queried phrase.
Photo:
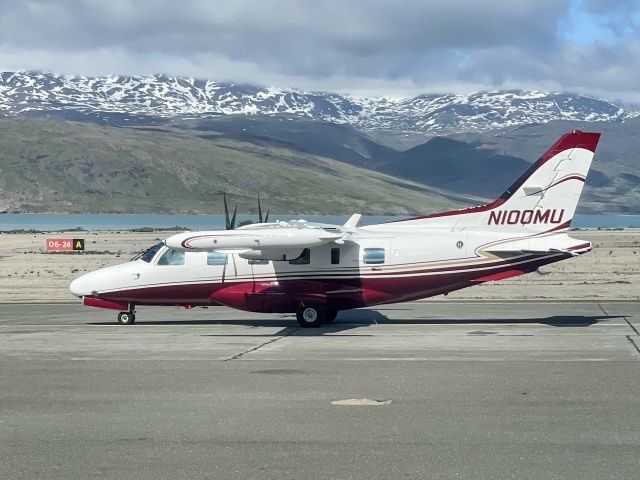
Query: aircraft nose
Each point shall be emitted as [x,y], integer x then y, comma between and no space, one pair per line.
[80,286]
[100,280]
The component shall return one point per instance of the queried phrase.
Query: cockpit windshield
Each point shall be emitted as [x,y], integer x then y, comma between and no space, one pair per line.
[148,254]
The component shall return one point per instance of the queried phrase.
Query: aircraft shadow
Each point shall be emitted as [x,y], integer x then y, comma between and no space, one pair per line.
[359,318]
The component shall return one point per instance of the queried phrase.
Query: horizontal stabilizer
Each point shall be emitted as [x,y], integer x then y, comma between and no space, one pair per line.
[550,251]
[549,245]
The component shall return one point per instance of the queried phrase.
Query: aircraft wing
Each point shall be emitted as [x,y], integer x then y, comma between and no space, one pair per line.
[269,241]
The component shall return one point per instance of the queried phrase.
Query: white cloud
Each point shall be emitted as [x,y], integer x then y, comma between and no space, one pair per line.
[361,46]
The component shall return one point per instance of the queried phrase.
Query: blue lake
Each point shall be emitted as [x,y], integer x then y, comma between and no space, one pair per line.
[88,221]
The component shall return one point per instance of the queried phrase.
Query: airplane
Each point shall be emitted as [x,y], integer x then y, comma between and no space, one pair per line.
[316,270]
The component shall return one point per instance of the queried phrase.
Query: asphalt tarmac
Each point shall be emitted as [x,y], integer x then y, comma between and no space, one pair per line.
[473,390]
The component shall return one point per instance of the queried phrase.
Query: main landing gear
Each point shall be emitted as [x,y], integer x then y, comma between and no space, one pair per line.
[126,318]
[315,314]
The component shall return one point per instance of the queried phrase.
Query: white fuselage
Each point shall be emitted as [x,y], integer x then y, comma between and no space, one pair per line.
[407,262]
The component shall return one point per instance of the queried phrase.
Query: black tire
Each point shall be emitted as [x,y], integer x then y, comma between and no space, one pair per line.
[311,315]
[126,318]
[330,315]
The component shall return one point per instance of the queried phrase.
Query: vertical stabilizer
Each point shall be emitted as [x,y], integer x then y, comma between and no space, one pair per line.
[544,198]
[548,192]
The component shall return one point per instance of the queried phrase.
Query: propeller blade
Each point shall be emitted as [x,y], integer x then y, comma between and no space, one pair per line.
[227,224]
[233,219]
[259,210]
[266,217]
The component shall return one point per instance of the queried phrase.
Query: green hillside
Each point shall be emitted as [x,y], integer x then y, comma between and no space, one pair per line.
[482,164]
[51,165]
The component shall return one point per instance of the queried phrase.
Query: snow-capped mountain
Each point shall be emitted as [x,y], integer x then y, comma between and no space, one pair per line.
[160,96]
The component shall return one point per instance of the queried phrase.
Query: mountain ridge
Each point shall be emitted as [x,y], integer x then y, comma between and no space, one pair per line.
[484,154]
[130,99]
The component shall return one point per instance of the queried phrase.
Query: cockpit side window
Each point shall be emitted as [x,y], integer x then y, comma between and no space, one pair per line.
[148,255]
[172,257]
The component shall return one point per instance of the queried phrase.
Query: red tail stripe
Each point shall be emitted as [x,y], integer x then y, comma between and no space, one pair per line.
[575,139]
[566,224]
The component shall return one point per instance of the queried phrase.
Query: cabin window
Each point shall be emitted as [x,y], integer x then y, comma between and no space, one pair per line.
[172,257]
[258,261]
[216,258]
[374,255]
[303,259]
[148,255]
[335,256]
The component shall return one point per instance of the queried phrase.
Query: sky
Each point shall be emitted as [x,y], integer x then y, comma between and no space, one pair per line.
[363,47]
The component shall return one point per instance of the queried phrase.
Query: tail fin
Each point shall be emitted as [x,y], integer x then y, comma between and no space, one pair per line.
[555,181]
[544,198]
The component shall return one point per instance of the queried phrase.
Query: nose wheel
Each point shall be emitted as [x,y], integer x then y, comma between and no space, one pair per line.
[126,318]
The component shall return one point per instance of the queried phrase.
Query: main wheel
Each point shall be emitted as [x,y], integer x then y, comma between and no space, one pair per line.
[311,315]
[126,318]
[330,315]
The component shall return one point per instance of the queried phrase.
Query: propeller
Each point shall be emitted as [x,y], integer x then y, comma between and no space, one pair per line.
[229,224]
[266,217]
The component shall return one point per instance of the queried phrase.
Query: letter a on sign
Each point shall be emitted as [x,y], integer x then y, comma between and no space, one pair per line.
[78,243]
